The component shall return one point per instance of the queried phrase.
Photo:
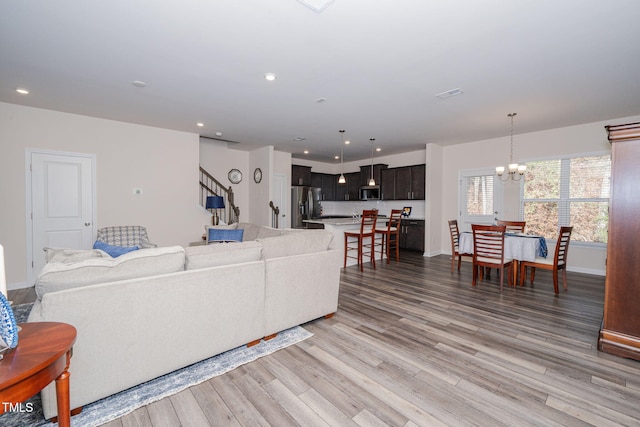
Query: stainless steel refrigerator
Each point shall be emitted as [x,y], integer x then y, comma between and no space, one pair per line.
[305,204]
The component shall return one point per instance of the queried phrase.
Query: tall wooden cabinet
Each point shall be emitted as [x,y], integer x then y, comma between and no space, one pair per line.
[620,332]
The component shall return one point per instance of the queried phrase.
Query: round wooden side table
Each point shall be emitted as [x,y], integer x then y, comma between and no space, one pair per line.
[43,355]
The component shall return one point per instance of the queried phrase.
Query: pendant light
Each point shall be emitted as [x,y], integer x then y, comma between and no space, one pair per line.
[515,171]
[372,181]
[342,179]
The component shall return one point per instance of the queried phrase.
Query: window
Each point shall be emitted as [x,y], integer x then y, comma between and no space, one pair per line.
[479,200]
[568,191]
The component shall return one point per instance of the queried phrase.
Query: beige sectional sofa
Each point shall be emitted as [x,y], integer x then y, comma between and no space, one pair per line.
[152,311]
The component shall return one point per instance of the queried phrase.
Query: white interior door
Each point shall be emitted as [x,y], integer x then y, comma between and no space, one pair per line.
[480,198]
[62,204]
[281,197]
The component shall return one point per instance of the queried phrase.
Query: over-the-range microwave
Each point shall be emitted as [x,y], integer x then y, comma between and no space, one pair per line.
[370,192]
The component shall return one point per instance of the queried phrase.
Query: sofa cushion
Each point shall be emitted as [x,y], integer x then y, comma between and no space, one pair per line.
[57,276]
[217,254]
[304,242]
[70,256]
[254,232]
[113,250]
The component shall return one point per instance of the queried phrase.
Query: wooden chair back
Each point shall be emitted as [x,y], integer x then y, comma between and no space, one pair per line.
[488,243]
[559,262]
[513,226]
[393,225]
[354,241]
[488,250]
[455,235]
[562,246]
[368,221]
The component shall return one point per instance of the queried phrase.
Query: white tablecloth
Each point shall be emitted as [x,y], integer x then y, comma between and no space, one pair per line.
[521,248]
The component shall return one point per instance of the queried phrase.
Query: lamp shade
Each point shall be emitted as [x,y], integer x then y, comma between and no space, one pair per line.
[215,202]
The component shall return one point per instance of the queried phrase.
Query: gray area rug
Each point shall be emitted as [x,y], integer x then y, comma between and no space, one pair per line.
[127,401]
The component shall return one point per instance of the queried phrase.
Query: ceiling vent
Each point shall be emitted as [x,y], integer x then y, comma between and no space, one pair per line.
[450,93]
[316,5]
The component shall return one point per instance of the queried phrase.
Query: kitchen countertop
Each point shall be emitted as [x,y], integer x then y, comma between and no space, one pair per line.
[333,221]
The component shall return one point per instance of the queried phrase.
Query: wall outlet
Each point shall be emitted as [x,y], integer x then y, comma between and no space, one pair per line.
[137,191]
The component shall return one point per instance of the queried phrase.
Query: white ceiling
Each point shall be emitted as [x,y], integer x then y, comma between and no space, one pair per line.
[379,64]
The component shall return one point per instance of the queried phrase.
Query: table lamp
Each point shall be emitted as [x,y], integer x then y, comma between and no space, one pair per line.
[214,203]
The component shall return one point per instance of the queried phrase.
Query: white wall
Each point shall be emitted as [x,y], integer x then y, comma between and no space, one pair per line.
[218,158]
[163,163]
[590,137]
[260,193]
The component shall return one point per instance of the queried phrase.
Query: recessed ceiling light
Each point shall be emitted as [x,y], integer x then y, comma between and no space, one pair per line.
[347,142]
[200,124]
[378,149]
[299,138]
[450,93]
[22,91]
[270,76]
[320,100]
[306,151]
[218,133]
[139,83]
[336,157]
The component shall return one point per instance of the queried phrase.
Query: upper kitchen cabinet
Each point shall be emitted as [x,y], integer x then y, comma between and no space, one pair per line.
[403,183]
[365,173]
[300,175]
[327,183]
[350,190]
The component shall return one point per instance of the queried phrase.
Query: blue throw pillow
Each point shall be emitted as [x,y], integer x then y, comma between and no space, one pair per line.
[114,251]
[221,235]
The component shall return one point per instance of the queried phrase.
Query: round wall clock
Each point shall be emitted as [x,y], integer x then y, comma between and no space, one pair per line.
[235,176]
[257,175]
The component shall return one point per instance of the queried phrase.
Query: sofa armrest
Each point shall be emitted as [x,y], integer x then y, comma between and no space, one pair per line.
[301,288]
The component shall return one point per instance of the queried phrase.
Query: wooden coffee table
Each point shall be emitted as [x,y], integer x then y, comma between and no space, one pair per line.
[42,355]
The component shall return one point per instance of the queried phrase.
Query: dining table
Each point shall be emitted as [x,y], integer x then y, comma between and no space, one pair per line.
[517,246]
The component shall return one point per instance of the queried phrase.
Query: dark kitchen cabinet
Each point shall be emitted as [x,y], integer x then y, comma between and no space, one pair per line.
[403,183]
[388,184]
[327,183]
[300,175]
[349,190]
[365,173]
[412,234]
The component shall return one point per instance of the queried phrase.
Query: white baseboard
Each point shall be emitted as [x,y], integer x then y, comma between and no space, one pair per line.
[18,285]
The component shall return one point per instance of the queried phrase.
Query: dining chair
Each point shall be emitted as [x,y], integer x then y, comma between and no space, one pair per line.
[513,226]
[559,261]
[355,241]
[390,235]
[455,247]
[488,251]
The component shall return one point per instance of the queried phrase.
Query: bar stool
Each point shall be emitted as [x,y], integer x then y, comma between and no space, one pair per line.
[355,241]
[393,229]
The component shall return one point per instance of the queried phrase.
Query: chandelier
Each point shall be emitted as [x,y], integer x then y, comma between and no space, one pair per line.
[515,171]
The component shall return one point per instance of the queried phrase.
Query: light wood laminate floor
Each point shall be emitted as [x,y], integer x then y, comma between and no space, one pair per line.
[414,345]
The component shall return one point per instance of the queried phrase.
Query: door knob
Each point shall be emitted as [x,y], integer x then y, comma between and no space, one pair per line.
[86,224]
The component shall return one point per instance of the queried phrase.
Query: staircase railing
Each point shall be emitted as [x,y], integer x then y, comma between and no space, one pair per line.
[275,212]
[209,186]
